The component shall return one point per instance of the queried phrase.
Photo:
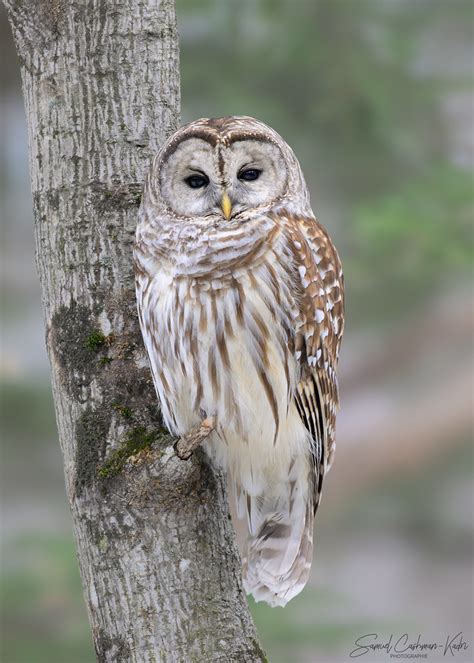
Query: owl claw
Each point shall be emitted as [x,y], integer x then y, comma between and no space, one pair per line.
[189,442]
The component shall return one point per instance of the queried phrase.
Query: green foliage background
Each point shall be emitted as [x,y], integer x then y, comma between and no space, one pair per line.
[337,78]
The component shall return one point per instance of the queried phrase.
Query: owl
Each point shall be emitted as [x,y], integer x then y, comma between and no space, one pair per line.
[240,301]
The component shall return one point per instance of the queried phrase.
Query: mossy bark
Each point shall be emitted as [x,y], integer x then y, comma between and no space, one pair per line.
[160,570]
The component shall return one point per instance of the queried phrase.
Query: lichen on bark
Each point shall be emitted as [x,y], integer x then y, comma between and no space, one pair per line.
[92,428]
[73,338]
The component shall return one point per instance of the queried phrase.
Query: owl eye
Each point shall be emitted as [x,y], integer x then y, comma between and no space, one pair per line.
[249,175]
[197,181]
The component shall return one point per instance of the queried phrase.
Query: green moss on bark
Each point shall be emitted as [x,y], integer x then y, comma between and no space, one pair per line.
[123,410]
[95,341]
[137,440]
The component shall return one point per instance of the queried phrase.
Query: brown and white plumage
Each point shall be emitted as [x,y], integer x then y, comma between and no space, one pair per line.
[242,315]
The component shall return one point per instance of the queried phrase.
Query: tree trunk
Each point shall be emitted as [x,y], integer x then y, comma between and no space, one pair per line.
[155,544]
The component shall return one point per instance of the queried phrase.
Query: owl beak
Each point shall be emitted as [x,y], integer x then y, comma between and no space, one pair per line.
[226,205]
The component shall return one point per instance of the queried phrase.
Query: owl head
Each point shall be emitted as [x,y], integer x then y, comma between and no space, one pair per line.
[222,170]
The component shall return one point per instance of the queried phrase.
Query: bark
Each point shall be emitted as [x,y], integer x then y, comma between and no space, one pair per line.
[155,544]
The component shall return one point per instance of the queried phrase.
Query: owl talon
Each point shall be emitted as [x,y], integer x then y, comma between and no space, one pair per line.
[189,442]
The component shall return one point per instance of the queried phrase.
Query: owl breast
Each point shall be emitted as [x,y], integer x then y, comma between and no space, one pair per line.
[221,344]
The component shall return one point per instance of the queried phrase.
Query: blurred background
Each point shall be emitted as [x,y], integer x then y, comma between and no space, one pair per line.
[376,98]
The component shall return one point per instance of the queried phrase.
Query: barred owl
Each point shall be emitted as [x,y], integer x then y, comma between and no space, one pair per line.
[240,300]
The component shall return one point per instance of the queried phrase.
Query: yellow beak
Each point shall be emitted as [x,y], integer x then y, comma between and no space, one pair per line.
[226,205]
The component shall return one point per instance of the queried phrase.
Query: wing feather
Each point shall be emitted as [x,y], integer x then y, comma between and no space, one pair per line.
[318,332]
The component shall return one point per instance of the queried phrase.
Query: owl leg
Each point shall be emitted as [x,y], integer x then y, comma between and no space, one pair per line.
[186,444]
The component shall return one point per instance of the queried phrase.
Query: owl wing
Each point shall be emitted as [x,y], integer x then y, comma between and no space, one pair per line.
[318,333]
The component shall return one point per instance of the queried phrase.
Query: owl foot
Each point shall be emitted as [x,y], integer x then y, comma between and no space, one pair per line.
[189,442]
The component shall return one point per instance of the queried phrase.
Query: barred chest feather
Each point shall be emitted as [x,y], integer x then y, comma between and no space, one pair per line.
[219,330]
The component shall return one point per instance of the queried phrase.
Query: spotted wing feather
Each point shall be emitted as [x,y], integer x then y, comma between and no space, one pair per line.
[318,334]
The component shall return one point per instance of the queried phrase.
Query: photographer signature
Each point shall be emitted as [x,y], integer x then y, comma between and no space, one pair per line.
[452,645]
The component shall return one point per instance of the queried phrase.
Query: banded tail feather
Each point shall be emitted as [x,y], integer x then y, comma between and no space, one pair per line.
[278,552]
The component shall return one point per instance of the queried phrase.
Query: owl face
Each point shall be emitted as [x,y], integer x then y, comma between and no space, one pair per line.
[203,180]
[220,170]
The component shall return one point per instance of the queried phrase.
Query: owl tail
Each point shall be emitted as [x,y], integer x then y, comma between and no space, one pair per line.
[278,552]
